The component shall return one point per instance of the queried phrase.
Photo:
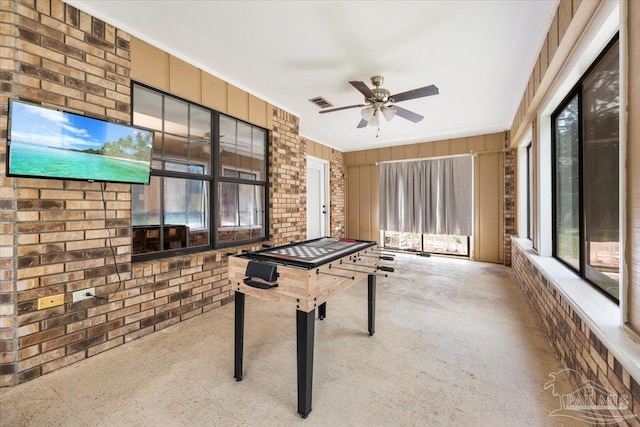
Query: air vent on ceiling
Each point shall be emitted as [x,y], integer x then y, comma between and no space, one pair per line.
[321,102]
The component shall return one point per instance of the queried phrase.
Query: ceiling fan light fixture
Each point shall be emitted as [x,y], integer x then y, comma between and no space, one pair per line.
[388,113]
[377,100]
[367,113]
[375,119]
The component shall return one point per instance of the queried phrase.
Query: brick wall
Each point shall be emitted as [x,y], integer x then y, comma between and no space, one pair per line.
[62,232]
[8,345]
[509,203]
[287,181]
[337,190]
[55,232]
[573,342]
[57,235]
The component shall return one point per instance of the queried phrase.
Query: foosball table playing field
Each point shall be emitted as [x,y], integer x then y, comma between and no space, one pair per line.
[304,275]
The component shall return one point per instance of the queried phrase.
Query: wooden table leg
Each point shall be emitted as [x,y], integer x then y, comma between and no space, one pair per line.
[304,340]
[371,282]
[239,335]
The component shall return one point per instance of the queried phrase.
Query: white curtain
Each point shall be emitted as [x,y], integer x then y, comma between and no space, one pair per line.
[427,196]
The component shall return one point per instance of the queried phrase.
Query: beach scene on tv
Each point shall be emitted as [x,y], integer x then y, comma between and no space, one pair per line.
[53,144]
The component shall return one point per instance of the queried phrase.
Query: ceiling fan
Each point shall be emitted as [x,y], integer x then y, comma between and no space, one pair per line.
[380,101]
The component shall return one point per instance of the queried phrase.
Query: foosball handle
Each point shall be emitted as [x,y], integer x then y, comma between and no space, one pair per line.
[260,285]
[388,269]
[387,258]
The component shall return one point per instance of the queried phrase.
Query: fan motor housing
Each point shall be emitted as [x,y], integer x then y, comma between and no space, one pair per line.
[381,95]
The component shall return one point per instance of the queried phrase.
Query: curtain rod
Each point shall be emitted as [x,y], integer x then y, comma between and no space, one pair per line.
[423,159]
[472,154]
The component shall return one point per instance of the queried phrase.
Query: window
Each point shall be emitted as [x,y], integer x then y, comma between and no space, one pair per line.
[242,182]
[427,196]
[446,244]
[425,206]
[179,210]
[586,174]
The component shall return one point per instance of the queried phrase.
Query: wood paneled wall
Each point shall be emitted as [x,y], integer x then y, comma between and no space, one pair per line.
[318,150]
[158,69]
[363,187]
[566,28]
[362,202]
[487,244]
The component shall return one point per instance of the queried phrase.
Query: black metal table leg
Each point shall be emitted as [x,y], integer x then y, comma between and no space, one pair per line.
[239,335]
[371,282]
[304,340]
[322,311]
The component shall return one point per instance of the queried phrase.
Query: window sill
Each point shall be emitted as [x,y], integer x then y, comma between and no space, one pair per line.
[600,314]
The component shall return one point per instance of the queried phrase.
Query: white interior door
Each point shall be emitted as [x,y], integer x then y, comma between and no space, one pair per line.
[317,198]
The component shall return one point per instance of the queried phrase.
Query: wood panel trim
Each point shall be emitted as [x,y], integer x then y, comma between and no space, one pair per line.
[558,52]
[427,150]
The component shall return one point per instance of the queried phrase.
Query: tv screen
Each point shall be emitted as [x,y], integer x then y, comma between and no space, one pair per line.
[47,143]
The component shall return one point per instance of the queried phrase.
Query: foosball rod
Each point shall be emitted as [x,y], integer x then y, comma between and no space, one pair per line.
[358,271]
[378,248]
[383,257]
[380,252]
[377,267]
[335,275]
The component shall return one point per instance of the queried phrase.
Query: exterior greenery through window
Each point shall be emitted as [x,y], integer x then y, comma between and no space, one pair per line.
[207,169]
[447,244]
[586,175]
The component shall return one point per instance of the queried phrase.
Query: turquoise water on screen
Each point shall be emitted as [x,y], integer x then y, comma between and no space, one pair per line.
[29,159]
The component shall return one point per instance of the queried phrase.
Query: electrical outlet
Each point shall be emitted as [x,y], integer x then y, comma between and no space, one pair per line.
[82,295]
[50,301]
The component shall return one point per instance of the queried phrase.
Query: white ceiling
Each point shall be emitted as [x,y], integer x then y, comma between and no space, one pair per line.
[479,54]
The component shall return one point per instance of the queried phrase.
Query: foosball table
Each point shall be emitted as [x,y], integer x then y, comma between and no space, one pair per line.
[303,275]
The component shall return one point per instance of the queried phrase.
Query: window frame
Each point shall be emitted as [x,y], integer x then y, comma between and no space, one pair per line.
[576,91]
[213,178]
[219,178]
[529,201]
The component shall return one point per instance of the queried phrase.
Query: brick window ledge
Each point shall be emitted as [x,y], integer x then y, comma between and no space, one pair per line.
[600,314]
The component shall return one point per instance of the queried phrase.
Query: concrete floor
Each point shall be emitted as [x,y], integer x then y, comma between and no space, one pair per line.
[455,345]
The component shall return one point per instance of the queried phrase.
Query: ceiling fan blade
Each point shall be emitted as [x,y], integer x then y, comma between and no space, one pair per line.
[340,108]
[416,93]
[409,115]
[363,123]
[363,89]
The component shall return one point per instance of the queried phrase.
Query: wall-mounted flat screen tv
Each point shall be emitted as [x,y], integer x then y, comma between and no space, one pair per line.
[48,143]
